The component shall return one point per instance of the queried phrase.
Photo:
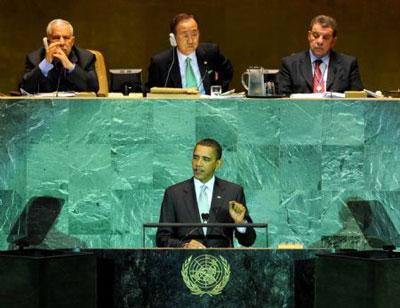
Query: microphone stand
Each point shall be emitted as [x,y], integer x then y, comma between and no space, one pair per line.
[61,68]
[204,76]
[196,226]
[170,67]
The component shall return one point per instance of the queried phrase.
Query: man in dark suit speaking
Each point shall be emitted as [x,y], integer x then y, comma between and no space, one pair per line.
[189,64]
[319,69]
[204,198]
[59,65]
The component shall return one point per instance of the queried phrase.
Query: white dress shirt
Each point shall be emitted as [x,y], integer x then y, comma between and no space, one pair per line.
[195,67]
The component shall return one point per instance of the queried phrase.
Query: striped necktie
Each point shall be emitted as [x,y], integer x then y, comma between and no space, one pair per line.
[318,79]
[189,74]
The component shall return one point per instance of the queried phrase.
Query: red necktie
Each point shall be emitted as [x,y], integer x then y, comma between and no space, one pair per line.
[318,79]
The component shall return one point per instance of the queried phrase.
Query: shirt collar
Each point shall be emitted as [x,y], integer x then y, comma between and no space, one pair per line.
[209,184]
[324,59]
[182,57]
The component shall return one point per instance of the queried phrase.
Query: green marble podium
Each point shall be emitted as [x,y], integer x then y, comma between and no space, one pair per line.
[299,161]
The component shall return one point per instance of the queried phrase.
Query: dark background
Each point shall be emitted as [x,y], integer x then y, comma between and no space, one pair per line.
[249,32]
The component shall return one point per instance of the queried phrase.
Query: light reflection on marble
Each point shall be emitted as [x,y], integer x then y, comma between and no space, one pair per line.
[111,159]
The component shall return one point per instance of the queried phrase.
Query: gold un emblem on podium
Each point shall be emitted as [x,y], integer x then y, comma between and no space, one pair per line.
[206,274]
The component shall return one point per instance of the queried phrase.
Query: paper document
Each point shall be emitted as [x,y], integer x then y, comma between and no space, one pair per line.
[57,94]
[318,95]
[51,94]
[229,96]
[158,90]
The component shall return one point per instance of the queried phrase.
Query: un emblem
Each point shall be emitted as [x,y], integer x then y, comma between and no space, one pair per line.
[206,274]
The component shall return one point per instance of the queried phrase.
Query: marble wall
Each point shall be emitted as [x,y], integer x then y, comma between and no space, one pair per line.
[111,159]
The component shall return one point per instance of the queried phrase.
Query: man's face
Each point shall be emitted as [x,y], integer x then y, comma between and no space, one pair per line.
[187,36]
[321,40]
[204,162]
[62,34]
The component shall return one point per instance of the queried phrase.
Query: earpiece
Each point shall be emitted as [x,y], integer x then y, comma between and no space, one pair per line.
[45,43]
[172,39]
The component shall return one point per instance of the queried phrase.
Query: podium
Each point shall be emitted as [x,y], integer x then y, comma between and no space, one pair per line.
[38,278]
[365,279]
[230,277]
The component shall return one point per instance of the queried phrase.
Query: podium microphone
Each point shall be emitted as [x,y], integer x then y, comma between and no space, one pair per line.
[205,217]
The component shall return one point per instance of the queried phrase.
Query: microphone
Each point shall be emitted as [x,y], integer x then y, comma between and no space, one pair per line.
[181,241]
[204,75]
[205,217]
[59,79]
[170,67]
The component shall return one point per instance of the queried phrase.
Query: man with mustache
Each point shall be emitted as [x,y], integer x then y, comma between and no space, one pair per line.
[189,64]
[60,66]
[204,198]
[319,69]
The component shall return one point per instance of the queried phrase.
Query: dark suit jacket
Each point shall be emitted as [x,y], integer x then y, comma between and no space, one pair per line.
[180,205]
[295,75]
[211,63]
[83,78]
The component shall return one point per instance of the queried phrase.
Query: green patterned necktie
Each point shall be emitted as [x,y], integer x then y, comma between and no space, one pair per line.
[190,78]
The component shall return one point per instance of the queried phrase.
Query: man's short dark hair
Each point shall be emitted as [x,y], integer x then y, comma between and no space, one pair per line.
[208,142]
[326,22]
[178,18]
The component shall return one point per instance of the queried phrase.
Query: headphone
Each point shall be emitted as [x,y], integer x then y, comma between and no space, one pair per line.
[172,40]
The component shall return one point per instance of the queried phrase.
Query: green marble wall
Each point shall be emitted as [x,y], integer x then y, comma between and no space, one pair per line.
[111,159]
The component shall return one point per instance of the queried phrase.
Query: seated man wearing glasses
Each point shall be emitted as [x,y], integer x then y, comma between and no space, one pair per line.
[319,69]
[59,65]
[189,64]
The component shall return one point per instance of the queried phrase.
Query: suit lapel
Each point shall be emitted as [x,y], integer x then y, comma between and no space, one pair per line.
[216,202]
[334,65]
[305,67]
[73,57]
[191,202]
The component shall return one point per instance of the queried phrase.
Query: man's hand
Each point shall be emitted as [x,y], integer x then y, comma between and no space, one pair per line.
[237,211]
[55,51]
[59,54]
[193,244]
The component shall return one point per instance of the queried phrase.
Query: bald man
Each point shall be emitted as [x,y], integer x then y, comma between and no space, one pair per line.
[60,66]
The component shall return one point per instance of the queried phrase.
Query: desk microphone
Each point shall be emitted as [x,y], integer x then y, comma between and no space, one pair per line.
[170,67]
[59,79]
[206,71]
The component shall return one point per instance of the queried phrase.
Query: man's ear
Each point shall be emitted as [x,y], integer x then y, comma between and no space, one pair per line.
[220,162]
